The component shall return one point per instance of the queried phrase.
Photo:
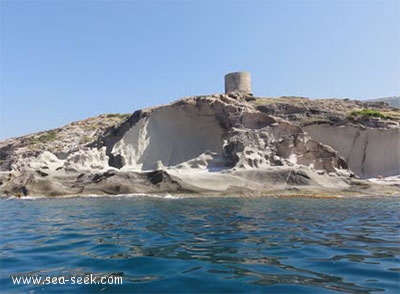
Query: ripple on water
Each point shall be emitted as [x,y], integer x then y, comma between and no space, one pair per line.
[176,244]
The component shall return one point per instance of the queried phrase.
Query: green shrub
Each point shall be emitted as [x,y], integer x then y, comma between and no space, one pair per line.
[48,137]
[119,115]
[84,140]
[368,113]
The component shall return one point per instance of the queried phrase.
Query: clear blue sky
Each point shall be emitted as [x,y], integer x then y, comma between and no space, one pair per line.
[67,60]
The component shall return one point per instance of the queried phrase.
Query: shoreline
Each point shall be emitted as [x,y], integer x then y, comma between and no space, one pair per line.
[290,193]
[278,182]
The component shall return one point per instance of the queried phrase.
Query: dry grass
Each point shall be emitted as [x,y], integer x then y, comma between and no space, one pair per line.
[284,99]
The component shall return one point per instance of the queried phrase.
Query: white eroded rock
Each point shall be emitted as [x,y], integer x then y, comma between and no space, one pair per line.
[88,159]
[369,152]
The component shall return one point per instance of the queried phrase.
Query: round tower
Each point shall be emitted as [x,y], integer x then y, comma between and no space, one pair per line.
[238,82]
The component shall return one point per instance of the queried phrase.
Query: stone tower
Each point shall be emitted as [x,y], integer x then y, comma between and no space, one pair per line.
[238,82]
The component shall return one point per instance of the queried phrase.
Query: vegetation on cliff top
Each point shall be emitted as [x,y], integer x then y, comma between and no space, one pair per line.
[304,111]
[369,113]
[48,137]
[118,115]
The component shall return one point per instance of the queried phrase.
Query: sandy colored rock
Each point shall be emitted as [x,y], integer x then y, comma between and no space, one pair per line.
[218,144]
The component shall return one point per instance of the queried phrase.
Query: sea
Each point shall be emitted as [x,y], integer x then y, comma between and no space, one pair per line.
[178,244]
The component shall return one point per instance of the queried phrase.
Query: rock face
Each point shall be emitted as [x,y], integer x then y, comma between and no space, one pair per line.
[228,143]
[230,133]
[370,144]
[170,136]
[369,152]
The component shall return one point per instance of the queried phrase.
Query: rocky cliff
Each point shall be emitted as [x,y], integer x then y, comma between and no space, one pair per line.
[217,144]
[366,134]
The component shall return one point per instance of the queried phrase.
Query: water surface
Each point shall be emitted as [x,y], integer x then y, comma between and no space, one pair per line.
[204,244]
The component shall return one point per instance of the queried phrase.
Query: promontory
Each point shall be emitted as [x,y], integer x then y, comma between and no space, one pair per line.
[221,144]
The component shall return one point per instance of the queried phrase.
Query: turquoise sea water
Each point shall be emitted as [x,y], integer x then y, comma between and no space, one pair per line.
[168,244]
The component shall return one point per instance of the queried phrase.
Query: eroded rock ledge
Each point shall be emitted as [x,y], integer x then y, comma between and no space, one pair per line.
[217,144]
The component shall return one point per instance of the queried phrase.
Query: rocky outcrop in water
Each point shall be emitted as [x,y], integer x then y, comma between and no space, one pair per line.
[217,144]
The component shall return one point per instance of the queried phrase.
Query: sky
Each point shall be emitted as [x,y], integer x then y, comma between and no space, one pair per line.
[65,60]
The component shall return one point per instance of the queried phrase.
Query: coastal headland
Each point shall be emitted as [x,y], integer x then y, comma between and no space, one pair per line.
[220,144]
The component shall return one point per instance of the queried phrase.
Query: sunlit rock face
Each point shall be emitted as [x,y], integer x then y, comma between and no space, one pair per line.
[222,143]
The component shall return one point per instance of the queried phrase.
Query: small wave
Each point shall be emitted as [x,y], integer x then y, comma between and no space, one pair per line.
[169,196]
[133,195]
[22,197]
[160,196]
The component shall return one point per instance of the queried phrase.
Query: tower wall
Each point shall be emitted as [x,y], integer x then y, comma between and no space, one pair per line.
[238,82]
